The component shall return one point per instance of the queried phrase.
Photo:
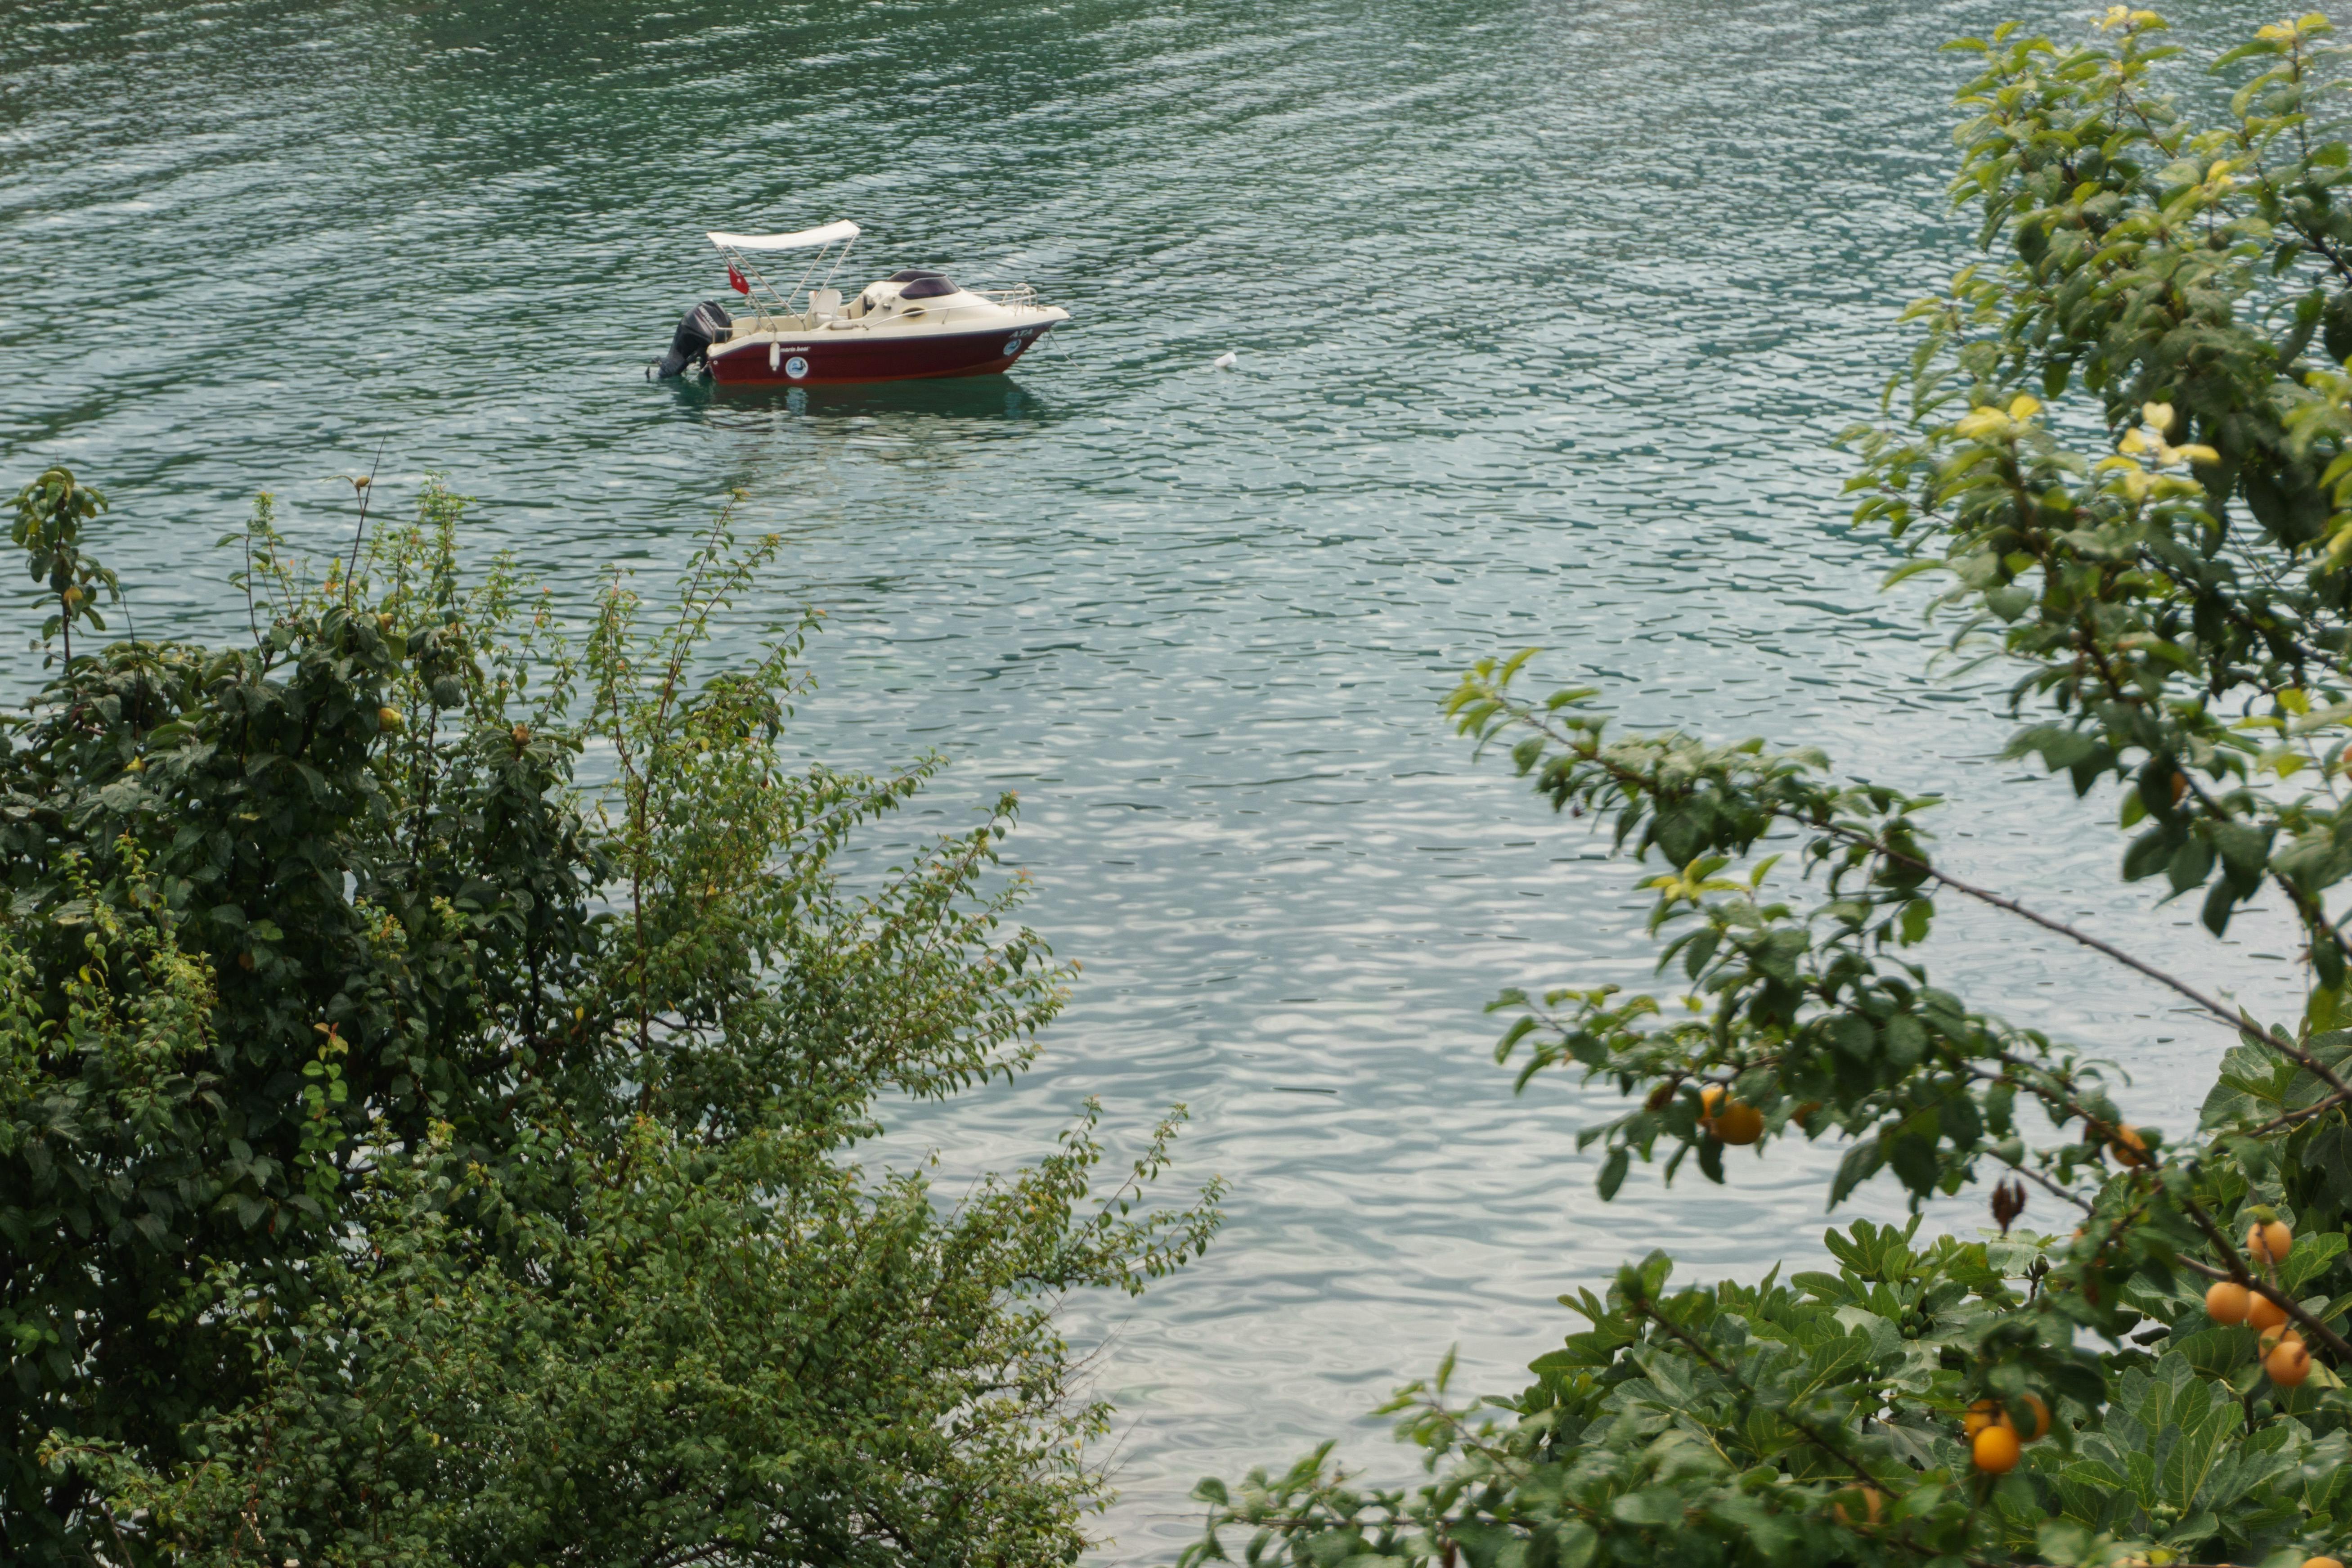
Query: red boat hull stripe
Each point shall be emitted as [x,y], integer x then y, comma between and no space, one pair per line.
[832,357]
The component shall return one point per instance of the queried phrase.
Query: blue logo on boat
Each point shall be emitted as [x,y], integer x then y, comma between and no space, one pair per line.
[796,367]
[1012,346]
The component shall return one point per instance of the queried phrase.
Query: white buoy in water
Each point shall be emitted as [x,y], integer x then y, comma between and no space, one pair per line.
[1225,361]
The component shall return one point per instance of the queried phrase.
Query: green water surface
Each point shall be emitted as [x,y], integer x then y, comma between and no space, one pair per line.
[1545,313]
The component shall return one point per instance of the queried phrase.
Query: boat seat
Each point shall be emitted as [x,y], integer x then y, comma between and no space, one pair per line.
[825,304]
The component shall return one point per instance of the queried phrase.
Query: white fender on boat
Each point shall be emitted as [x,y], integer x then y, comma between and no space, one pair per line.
[775,352]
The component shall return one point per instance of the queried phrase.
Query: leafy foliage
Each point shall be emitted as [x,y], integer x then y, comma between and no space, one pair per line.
[1818,1420]
[2127,448]
[734,1350]
[409,1154]
[50,512]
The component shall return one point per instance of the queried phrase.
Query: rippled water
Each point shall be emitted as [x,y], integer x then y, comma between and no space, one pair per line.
[1545,315]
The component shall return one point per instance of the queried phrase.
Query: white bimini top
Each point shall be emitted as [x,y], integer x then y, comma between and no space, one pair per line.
[806,239]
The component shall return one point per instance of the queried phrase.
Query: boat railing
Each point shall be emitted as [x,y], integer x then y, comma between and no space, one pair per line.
[793,322]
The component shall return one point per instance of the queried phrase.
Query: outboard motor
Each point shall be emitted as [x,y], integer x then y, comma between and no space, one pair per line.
[692,343]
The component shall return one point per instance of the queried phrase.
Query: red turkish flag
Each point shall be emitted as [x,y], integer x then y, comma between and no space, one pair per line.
[735,281]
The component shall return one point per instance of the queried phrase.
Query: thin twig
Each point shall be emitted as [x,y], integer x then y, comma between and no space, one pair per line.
[2290,1118]
[367,492]
[2050,923]
[2213,1008]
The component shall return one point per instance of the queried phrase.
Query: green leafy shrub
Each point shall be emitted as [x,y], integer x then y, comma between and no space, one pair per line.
[409,1153]
[2126,446]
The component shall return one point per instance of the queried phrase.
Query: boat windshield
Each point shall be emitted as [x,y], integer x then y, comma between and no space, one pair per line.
[927,288]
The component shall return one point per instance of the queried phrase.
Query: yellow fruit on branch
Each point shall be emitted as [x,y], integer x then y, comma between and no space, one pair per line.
[2321,1563]
[2288,1364]
[1995,1449]
[2261,1313]
[1740,1124]
[1709,1098]
[1987,1414]
[1869,1499]
[2227,1302]
[2128,1147]
[2268,1243]
[389,718]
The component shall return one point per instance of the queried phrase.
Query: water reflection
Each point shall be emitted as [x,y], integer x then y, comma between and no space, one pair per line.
[964,400]
[820,444]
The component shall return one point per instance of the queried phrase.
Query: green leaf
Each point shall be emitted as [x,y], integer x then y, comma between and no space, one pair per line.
[1651,1506]
[1612,1172]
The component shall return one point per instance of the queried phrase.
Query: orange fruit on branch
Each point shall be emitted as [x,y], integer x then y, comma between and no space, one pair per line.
[1740,1124]
[1870,1498]
[1989,1413]
[2268,1243]
[1995,1449]
[2227,1302]
[2321,1563]
[2128,1147]
[2288,1364]
[1709,1099]
[2261,1313]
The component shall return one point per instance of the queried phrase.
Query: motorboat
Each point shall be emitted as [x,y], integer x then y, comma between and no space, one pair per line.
[913,323]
